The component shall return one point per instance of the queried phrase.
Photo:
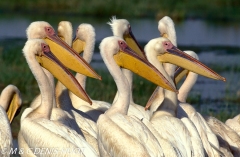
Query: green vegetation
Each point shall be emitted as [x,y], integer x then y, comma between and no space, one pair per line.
[216,9]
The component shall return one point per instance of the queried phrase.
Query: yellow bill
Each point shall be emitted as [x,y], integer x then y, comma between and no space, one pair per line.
[179,74]
[175,56]
[133,44]
[128,59]
[13,107]
[54,66]
[69,57]
[78,45]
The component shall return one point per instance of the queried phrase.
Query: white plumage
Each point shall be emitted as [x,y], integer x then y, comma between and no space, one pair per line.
[119,134]
[36,127]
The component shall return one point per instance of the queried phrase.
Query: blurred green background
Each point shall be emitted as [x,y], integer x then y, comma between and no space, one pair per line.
[177,9]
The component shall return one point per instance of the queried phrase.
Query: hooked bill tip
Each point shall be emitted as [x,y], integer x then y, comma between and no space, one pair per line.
[90,102]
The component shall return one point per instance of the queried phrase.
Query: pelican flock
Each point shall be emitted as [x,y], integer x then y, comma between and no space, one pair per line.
[64,121]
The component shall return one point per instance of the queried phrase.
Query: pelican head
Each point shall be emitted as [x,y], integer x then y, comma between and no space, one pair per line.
[69,57]
[84,33]
[166,52]
[38,49]
[11,101]
[122,28]
[126,58]
[119,26]
[65,31]
[167,29]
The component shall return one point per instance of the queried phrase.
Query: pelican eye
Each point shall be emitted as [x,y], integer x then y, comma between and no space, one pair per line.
[50,30]
[45,48]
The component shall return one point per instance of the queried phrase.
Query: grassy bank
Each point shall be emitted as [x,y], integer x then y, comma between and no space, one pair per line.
[217,9]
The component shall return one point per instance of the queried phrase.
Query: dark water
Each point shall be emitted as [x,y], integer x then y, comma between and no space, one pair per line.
[216,44]
[189,32]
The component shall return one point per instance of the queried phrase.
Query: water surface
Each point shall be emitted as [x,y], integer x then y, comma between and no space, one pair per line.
[189,32]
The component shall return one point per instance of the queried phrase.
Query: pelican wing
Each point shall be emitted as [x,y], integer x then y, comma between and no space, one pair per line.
[6,135]
[52,135]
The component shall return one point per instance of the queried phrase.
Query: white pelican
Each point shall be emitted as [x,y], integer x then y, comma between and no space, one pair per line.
[37,130]
[167,29]
[84,42]
[43,30]
[161,49]
[88,127]
[10,101]
[122,29]
[186,110]
[118,133]
[164,118]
